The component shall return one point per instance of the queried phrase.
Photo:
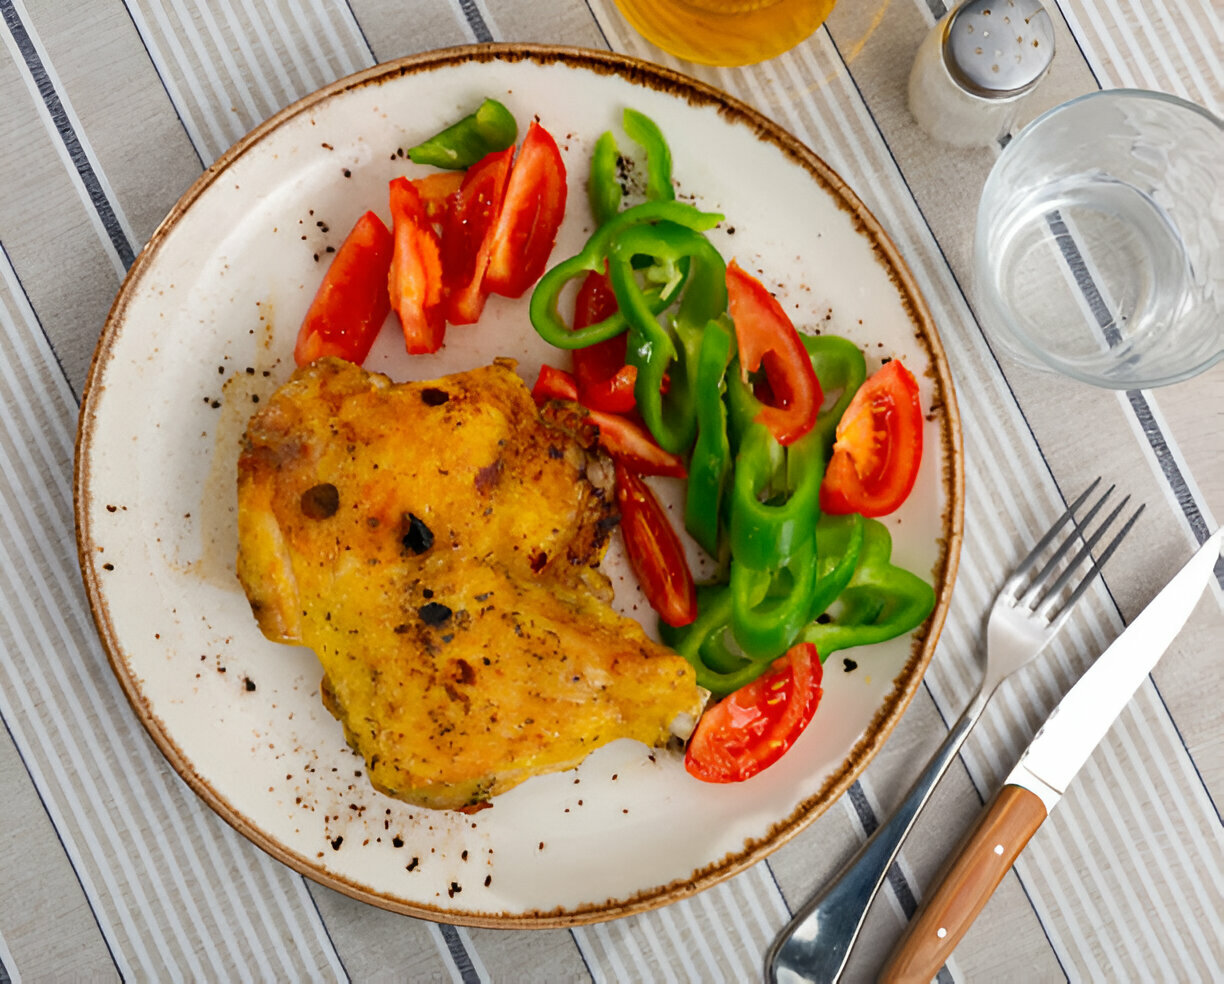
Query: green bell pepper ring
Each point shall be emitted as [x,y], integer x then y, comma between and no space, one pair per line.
[491,128]
[545,317]
[654,350]
[701,643]
[880,602]
[841,369]
[603,186]
[775,497]
[769,608]
[839,541]
[709,470]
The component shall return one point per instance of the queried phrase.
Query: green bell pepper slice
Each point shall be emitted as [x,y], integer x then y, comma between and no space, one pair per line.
[543,309]
[775,497]
[703,644]
[604,191]
[491,128]
[841,369]
[709,470]
[770,608]
[656,350]
[881,601]
[603,185]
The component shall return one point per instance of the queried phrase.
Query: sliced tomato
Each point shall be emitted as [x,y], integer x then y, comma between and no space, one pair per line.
[436,191]
[530,216]
[878,448]
[654,550]
[605,381]
[768,342]
[351,304]
[414,282]
[750,729]
[622,437]
[467,236]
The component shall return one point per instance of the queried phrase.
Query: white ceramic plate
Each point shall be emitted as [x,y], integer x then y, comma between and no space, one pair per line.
[204,328]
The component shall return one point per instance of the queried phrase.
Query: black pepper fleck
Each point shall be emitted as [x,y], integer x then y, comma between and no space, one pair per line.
[849,664]
[418,537]
[434,614]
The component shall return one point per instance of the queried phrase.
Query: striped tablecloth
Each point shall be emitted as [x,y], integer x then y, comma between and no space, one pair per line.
[111,868]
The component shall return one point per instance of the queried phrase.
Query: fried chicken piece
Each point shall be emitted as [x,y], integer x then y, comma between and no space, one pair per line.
[436,544]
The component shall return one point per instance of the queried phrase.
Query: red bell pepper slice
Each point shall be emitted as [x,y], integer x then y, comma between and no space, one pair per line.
[604,380]
[415,279]
[750,729]
[623,438]
[467,236]
[530,216]
[654,550]
[878,446]
[351,304]
[768,341]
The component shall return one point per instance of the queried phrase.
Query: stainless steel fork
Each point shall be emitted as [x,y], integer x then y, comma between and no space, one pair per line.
[1026,615]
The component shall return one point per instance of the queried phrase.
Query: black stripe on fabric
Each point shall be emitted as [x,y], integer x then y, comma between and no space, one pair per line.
[166,89]
[8,260]
[4,974]
[361,30]
[326,932]
[63,125]
[67,857]
[937,7]
[1139,404]
[867,817]
[598,26]
[582,956]
[459,954]
[475,20]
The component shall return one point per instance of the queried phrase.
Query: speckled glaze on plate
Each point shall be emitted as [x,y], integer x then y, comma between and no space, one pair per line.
[203,329]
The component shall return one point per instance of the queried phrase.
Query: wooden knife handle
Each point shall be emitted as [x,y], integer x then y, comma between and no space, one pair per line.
[965,885]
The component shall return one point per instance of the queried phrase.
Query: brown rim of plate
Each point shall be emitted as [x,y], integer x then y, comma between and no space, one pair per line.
[637,72]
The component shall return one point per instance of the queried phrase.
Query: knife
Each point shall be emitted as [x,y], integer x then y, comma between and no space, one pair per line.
[1045,770]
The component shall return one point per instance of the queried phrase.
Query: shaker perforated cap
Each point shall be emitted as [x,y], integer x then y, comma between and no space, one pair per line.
[999,48]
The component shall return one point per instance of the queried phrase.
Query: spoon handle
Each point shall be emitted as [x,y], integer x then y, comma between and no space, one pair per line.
[815,944]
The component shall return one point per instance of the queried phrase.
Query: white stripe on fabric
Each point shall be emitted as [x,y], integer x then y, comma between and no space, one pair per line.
[680,949]
[230,124]
[270,56]
[365,56]
[700,940]
[61,151]
[309,80]
[224,52]
[209,138]
[7,963]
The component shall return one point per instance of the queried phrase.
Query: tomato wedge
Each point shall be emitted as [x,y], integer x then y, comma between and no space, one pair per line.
[654,550]
[415,279]
[878,448]
[351,304]
[530,216]
[623,438]
[750,729]
[467,236]
[768,341]
[604,380]
[436,191]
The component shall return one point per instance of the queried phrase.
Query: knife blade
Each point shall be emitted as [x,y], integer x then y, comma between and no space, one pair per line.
[1061,746]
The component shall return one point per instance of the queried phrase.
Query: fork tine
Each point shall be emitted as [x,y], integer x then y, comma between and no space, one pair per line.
[1013,582]
[1097,564]
[1037,584]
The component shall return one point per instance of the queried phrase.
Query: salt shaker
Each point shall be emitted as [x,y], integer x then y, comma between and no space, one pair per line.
[976,66]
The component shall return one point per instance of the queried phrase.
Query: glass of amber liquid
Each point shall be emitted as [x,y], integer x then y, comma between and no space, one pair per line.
[725,32]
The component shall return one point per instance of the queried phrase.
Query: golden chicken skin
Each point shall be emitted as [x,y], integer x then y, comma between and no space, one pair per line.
[436,544]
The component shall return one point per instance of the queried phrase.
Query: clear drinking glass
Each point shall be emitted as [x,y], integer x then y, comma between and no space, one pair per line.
[1098,250]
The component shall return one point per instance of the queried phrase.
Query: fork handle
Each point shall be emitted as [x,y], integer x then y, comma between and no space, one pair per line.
[816,943]
[965,885]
